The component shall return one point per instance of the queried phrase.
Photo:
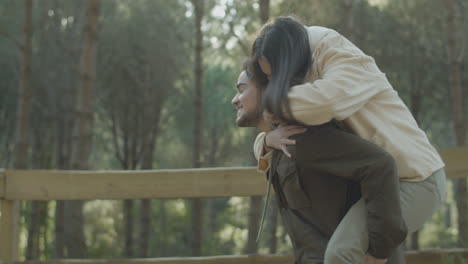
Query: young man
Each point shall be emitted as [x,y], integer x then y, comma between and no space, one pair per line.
[317,186]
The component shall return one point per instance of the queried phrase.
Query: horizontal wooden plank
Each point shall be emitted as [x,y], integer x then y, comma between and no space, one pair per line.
[452,256]
[181,183]
[87,185]
[456,161]
[251,259]
[440,256]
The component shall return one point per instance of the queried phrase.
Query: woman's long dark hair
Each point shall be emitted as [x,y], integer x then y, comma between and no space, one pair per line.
[284,44]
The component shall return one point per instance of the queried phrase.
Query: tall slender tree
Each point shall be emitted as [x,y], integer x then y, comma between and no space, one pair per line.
[455,56]
[197,203]
[136,79]
[76,244]
[349,17]
[23,117]
[23,113]
[264,10]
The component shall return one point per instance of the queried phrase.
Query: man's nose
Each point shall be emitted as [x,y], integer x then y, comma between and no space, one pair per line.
[235,100]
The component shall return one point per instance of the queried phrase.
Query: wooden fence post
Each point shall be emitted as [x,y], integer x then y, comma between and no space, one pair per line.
[9,216]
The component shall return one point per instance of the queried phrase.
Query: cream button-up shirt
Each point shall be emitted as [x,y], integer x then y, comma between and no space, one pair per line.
[346,84]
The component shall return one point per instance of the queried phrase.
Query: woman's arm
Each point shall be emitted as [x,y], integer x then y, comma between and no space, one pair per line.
[348,79]
[278,138]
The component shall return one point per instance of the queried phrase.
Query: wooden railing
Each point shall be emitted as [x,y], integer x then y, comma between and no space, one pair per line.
[183,183]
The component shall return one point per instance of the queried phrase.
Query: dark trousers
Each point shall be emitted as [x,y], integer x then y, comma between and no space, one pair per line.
[324,178]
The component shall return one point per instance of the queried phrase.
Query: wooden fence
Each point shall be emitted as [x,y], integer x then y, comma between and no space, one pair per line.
[48,185]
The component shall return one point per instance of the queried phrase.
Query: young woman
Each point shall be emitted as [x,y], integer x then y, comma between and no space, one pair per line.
[345,84]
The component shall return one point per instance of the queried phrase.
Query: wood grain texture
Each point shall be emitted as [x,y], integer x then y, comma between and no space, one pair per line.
[150,184]
[456,162]
[87,185]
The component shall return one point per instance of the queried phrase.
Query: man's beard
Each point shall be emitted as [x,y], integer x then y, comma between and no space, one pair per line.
[250,119]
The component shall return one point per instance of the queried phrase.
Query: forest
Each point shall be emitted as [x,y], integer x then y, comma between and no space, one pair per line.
[145,85]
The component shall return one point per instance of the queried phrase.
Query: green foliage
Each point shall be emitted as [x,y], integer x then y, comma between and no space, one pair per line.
[222,140]
[145,76]
[102,228]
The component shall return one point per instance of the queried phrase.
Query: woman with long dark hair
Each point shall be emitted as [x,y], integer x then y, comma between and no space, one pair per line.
[313,75]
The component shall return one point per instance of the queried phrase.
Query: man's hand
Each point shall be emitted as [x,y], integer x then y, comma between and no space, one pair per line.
[371,260]
[279,137]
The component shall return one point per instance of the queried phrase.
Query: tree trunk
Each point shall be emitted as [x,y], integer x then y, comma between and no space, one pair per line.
[86,98]
[348,19]
[146,209]
[41,159]
[64,125]
[23,114]
[33,231]
[63,155]
[23,118]
[197,203]
[128,225]
[198,6]
[414,241]
[197,214]
[447,216]
[455,59]
[210,209]
[255,211]
[145,228]
[36,228]
[59,241]
[76,244]
[163,227]
[212,156]
[75,240]
[264,10]
[43,231]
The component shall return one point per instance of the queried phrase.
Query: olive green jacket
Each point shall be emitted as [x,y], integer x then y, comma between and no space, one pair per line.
[321,182]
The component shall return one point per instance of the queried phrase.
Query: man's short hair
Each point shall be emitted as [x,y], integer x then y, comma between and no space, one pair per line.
[247,67]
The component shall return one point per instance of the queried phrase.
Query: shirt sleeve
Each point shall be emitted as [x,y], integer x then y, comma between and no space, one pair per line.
[263,159]
[346,80]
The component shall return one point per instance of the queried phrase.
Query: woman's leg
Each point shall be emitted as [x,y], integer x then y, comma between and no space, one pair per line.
[419,201]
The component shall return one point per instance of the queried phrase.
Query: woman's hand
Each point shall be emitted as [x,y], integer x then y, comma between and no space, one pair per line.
[371,260]
[279,137]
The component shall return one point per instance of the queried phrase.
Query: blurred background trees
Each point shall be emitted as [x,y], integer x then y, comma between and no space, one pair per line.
[113,84]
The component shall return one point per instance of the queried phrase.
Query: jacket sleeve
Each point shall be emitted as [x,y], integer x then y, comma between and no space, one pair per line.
[263,159]
[346,80]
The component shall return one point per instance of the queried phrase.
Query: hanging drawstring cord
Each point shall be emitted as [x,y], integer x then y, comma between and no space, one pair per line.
[265,208]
